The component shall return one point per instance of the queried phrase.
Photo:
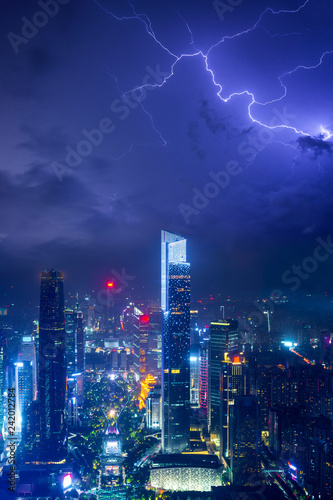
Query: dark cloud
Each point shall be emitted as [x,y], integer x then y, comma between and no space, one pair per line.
[108,213]
[317,145]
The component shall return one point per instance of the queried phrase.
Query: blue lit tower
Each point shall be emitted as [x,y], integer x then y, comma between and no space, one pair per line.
[52,368]
[175,304]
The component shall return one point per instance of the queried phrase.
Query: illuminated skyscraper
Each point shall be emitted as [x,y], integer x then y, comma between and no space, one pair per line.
[28,353]
[223,338]
[155,342]
[140,344]
[70,340]
[244,439]
[80,343]
[52,367]
[203,381]
[194,368]
[233,384]
[175,303]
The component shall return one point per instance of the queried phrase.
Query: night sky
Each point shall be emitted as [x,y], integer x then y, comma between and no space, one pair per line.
[89,208]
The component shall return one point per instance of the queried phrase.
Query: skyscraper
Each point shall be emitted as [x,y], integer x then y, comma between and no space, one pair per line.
[155,342]
[140,344]
[223,338]
[175,304]
[52,368]
[80,343]
[23,375]
[244,439]
[194,369]
[70,317]
[203,381]
[28,353]
[233,384]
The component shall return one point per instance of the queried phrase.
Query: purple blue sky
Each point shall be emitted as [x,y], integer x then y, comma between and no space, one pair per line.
[75,72]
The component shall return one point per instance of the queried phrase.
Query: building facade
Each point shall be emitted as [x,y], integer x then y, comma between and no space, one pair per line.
[233,384]
[52,368]
[175,303]
[223,337]
[245,440]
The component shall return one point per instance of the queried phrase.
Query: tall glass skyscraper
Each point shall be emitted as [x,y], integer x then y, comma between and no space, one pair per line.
[52,367]
[245,440]
[175,304]
[232,384]
[223,337]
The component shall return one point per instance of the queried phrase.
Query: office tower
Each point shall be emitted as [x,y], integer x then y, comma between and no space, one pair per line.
[52,367]
[203,381]
[35,334]
[141,325]
[244,439]
[233,384]
[194,371]
[175,303]
[23,375]
[70,319]
[155,342]
[80,343]
[28,353]
[223,337]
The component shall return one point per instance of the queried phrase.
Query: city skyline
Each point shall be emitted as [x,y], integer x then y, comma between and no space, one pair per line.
[166,308]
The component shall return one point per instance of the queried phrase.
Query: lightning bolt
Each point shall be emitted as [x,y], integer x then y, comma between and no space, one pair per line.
[326,134]
[144,19]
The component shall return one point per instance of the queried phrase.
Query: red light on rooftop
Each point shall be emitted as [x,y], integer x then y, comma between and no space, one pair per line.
[144,319]
[110,284]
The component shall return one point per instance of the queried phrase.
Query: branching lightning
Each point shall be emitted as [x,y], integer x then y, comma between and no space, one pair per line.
[144,19]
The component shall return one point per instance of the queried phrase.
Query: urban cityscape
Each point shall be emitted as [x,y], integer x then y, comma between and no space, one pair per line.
[131,399]
[166,302]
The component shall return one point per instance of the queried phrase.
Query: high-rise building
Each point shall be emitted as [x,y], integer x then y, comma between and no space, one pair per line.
[80,343]
[233,384]
[140,344]
[70,340]
[155,342]
[28,353]
[23,374]
[194,369]
[52,368]
[244,440]
[223,337]
[175,304]
[203,381]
